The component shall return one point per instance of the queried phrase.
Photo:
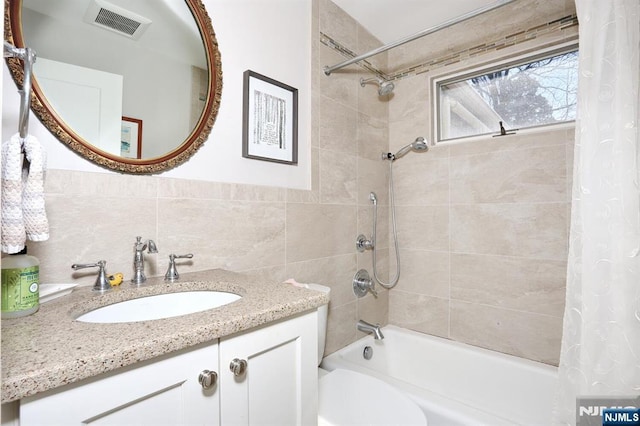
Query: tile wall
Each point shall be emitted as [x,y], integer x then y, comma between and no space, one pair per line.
[483,230]
[483,224]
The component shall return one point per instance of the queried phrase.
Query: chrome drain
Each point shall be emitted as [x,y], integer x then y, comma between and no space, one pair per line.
[367,353]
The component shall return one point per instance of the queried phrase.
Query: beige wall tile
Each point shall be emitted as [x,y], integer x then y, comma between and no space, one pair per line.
[372,177]
[185,188]
[411,99]
[531,175]
[337,24]
[421,313]
[342,327]
[74,183]
[319,230]
[373,137]
[532,230]
[522,334]
[421,179]
[257,193]
[524,140]
[423,227]
[523,284]
[338,178]
[338,131]
[424,272]
[274,274]
[335,272]
[234,235]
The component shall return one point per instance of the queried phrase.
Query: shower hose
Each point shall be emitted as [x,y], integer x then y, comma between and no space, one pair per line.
[374,236]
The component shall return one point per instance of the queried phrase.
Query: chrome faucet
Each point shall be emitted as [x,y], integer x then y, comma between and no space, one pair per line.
[370,328]
[138,259]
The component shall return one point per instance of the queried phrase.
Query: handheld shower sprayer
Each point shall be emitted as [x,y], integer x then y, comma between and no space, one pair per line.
[419,145]
[384,87]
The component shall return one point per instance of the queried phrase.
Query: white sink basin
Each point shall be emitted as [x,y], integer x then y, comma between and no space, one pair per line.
[159,306]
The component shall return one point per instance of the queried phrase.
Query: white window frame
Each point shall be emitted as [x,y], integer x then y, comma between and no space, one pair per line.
[487,67]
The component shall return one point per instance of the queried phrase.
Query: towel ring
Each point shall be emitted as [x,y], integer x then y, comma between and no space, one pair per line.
[28,57]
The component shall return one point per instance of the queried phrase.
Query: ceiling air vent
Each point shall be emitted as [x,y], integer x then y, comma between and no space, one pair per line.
[114,18]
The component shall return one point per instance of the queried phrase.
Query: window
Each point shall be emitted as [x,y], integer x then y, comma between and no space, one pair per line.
[520,95]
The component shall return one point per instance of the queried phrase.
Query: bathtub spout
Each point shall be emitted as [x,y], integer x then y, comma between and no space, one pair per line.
[370,328]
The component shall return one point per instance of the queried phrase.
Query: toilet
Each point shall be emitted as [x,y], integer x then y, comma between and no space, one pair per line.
[347,397]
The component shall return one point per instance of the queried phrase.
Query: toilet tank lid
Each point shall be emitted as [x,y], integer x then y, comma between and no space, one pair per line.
[310,286]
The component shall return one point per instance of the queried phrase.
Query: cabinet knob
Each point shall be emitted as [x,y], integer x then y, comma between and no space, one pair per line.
[238,366]
[208,379]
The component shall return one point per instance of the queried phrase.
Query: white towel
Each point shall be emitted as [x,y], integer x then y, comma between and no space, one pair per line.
[35,216]
[13,232]
[23,209]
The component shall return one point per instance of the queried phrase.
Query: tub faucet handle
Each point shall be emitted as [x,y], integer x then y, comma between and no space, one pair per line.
[102,282]
[172,273]
[362,283]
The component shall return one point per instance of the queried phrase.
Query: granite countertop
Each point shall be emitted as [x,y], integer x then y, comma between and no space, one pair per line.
[50,348]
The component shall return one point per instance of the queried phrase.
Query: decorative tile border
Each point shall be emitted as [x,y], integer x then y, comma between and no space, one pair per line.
[481,49]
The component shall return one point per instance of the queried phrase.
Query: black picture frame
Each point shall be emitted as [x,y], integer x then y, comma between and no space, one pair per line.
[269,120]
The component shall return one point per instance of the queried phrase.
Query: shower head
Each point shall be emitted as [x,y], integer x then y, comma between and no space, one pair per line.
[419,145]
[384,87]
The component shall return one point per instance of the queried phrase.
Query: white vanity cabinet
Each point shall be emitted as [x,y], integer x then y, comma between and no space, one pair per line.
[277,386]
[163,392]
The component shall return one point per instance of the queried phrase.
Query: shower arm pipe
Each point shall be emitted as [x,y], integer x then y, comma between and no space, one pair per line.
[329,69]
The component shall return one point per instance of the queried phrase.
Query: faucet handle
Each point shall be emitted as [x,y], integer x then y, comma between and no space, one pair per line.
[172,273]
[362,283]
[102,282]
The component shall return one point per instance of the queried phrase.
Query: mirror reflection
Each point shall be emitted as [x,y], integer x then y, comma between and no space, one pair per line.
[130,78]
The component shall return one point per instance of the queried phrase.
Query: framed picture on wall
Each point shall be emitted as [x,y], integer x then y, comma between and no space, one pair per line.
[131,138]
[269,120]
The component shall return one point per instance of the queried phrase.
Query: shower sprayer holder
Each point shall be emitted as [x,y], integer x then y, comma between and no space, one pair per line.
[363,243]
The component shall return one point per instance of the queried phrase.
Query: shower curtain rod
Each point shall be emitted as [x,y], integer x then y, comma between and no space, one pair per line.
[328,70]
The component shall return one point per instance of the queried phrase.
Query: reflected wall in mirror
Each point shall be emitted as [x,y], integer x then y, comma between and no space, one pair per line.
[156,61]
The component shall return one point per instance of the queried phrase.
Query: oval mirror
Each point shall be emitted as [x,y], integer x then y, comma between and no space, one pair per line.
[132,86]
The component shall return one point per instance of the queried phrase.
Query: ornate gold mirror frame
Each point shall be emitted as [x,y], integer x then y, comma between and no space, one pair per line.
[56,125]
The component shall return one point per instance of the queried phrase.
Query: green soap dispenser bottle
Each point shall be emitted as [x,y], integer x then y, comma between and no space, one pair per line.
[20,281]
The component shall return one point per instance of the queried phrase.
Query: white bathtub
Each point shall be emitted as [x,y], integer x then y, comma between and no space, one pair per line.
[453,383]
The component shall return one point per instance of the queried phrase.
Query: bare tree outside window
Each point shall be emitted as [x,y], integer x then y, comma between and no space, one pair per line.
[536,93]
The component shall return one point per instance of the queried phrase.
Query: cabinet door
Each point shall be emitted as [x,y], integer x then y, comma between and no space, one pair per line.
[280,383]
[158,392]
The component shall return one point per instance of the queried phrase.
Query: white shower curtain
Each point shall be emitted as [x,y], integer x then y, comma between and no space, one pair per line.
[601,338]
